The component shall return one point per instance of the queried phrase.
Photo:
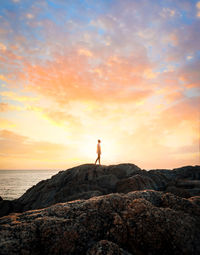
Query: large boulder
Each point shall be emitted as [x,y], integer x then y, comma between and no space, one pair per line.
[89,180]
[136,182]
[140,222]
[80,182]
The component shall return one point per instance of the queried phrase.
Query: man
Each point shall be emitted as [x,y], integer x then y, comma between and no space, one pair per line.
[98,152]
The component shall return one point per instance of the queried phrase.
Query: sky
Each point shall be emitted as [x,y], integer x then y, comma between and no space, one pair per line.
[126,72]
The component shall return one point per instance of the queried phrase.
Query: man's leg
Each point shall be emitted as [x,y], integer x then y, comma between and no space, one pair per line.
[97,159]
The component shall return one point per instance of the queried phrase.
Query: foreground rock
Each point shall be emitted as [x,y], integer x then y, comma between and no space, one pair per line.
[140,222]
[7,206]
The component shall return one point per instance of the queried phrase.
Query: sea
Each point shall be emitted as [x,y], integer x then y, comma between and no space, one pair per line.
[14,183]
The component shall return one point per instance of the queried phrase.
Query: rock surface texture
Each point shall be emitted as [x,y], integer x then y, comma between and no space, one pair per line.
[117,209]
[89,180]
[140,222]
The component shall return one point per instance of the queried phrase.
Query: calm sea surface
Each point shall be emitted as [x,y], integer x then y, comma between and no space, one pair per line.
[13,183]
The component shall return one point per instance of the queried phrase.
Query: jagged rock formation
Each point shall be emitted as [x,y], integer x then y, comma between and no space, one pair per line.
[140,222]
[89,180]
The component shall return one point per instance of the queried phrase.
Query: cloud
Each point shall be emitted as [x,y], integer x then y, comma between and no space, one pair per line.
[2,47]
[198,9]
[182,43]
[85,52]
[173,96]
[6,123]
[116,71]
[189,74]
[167,12]
[26,152]
[57,117]
[3,78]
[16,97]
[29,16]
[72,77]
[4,107]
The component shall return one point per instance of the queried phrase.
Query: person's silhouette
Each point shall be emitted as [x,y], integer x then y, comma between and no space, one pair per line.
[98,152]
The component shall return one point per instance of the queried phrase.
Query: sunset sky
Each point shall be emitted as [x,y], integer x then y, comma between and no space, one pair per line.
[123,71]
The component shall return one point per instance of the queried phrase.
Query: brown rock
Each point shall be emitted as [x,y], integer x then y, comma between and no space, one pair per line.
[7,206]
[140,222]
[89,180]
[136,182]
[178,191]
[105,247]
[195,200]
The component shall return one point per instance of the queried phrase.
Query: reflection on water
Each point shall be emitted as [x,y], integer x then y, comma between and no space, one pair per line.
[13,183]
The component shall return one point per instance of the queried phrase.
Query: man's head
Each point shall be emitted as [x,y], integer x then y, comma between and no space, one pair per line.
[99,141]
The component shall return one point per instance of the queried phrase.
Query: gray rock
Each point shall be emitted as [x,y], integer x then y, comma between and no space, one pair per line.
[89,180]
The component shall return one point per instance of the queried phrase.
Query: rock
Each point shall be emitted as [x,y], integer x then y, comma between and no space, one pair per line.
[140,222]
[80,182]
[7,206]
[136,182]
[89,180]
[188,184]
[195,200]
[106,247]
[188,172]
[178,191]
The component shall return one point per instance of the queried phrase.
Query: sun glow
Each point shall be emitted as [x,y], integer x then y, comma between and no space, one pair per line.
[139,95]
[88,148]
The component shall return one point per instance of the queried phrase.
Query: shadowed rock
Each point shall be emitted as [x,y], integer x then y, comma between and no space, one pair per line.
[106,247]
[89,180]
[80,182]
[140,222]
[7,206]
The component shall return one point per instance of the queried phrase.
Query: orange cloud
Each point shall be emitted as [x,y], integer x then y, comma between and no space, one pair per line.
[68,78]
[85,52]
[4,107]
[57,117]
[18,152]
[113,76]
[198,9]
[171,94]
[16,97]
[174,96]
[3,78]
[4,123]
[2,47]
[29,16]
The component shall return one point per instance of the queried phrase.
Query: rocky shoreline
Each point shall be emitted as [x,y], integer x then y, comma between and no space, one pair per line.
[117,209]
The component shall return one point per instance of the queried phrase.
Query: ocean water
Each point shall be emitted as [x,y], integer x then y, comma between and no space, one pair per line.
[13,183]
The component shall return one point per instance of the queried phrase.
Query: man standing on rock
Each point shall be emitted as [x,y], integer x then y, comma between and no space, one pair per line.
[98,152]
